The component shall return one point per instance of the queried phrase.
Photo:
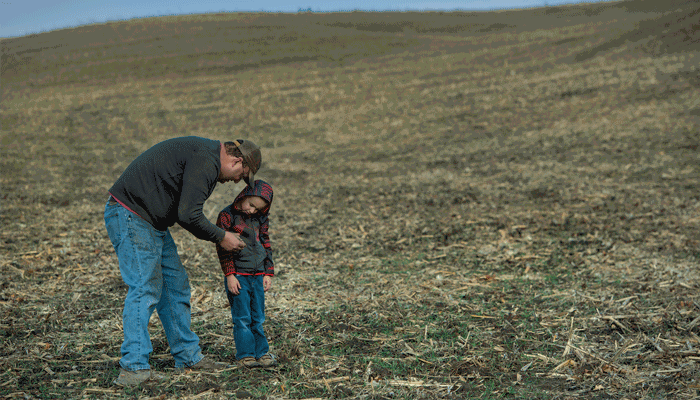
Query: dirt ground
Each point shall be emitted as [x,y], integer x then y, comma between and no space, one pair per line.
[511,215]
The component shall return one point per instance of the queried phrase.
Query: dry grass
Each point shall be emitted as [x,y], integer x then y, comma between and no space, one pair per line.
[479,216]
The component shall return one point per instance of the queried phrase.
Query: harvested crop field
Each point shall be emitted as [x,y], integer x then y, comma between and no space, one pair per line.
[468,205]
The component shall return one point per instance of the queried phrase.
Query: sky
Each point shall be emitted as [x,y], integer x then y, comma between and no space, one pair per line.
[25,17]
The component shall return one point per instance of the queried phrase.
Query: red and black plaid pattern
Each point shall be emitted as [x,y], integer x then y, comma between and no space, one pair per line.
[231,220]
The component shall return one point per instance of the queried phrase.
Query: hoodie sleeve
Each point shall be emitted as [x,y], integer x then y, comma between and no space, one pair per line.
[265,241]
[226,258]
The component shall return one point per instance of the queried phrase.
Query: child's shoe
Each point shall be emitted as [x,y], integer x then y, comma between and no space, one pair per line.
[248,362]
[267,361]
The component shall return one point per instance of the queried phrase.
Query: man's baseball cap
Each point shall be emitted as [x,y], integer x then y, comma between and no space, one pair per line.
[251,156]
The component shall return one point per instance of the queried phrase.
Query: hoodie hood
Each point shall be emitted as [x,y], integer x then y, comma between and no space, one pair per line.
[260,189]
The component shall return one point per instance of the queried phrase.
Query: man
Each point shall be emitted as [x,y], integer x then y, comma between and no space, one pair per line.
[168,184]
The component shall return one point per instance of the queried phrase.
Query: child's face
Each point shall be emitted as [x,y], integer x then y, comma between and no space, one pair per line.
[251,204]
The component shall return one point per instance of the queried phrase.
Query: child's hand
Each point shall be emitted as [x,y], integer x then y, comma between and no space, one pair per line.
[232,284]
[267,282]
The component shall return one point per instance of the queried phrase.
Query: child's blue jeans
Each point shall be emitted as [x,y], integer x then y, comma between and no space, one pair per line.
[150,266]
[248,314]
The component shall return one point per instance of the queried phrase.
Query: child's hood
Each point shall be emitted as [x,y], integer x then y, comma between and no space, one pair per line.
[261,189]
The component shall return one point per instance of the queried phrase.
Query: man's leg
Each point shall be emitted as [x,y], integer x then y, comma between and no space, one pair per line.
[174,308]
[138,248]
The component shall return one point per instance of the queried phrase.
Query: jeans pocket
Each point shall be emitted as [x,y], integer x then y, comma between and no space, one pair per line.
[113,224]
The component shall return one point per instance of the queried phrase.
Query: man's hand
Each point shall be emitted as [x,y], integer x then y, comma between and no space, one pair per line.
[267,282]
[232,242]
[232,284]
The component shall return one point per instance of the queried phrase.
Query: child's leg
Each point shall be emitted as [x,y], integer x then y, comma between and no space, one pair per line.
[257,309]
[240,315]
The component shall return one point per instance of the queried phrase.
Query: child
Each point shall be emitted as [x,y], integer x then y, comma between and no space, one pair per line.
[248,272]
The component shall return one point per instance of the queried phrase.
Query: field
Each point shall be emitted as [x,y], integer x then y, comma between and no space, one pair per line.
[490,205]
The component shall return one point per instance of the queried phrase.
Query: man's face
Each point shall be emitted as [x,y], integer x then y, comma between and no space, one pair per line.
[233,169]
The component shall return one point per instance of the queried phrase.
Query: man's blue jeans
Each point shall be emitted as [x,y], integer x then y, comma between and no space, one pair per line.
[150,266]
[248,314]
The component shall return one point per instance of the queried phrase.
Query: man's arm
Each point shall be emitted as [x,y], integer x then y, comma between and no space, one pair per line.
[198,182]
